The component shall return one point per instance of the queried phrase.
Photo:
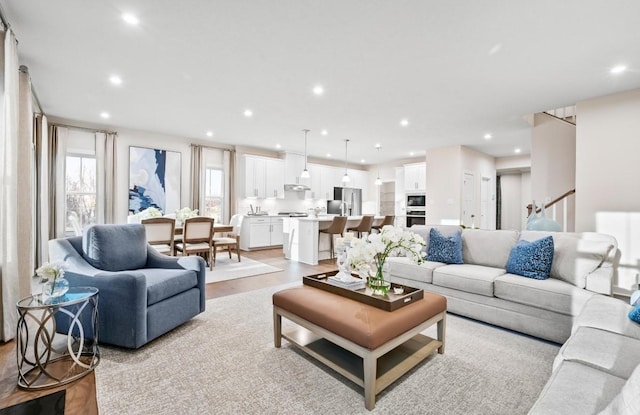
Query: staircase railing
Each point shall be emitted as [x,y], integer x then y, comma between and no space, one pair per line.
[563,199]
[566,114]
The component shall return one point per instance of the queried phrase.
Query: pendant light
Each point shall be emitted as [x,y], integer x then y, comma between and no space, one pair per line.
[378,180]
[305,173]
[345,178]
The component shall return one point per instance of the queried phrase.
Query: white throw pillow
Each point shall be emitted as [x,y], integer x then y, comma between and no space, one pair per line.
[628,400]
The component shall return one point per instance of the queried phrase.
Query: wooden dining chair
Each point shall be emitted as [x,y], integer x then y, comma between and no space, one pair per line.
[388,220]
[336,228]
[160,232]
[363,226]
[197,238]
[230,240]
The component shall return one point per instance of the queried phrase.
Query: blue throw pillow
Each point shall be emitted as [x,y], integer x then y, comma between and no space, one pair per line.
[531,259]
[447,249]
[634,314]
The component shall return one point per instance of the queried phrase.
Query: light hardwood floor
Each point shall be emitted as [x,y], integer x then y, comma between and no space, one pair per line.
[81,395]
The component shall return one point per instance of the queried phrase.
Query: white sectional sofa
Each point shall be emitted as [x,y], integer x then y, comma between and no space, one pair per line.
[584,265]
[598,368]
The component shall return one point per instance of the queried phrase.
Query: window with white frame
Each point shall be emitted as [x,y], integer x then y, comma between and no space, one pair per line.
[214,193]
[81,192]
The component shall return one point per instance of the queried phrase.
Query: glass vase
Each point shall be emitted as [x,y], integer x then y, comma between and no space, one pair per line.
[379,283]
[55,289]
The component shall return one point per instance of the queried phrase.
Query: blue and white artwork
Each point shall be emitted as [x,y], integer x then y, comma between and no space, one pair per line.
[154,180]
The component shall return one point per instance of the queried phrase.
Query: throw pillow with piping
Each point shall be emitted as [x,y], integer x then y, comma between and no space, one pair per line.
[446,249]
[531,259]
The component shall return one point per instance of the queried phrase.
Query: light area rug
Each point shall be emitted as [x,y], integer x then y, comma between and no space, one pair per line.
[224,362]
[230,269]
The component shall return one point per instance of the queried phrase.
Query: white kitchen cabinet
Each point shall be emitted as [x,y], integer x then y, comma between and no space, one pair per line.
[360,180]
[315,182]
[261,232]
[274,177]
[293,166]
[264,177]
[415,177]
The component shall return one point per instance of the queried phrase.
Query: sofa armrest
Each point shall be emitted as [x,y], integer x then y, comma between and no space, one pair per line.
[62,250]
[601,281]
[122,305]
[192,263]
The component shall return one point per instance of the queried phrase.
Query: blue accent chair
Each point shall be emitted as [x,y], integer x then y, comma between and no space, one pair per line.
[143,294]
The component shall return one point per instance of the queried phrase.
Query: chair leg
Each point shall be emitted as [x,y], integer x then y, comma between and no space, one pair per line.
[238,251]
[229,250]
[331,245]
[215,253]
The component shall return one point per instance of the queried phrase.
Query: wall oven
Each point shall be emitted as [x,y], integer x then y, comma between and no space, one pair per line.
[416,217]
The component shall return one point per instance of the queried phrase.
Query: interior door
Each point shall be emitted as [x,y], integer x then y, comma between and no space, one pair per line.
[485,198]
[468,200]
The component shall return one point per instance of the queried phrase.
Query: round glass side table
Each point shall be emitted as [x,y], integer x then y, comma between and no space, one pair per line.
[57,338]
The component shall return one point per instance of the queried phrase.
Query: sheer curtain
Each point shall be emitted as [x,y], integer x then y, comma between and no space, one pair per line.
[106,170]
[57,136]
[16,196]
[197,182]
[41,141]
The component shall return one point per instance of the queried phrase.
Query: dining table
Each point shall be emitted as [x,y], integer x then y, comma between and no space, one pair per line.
[217,228]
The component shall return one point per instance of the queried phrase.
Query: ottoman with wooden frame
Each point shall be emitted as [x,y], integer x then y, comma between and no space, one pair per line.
[388,343]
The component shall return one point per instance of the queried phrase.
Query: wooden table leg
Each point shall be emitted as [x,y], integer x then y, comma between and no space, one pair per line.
[442,327]
[277,328]
[370,367]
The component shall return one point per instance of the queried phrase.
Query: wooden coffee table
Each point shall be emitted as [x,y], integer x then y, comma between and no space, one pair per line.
[367,345]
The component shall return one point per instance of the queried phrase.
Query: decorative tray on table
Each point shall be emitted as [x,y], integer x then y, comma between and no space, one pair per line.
[389,302]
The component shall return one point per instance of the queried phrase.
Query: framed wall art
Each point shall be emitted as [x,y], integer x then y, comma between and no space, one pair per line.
[154,179]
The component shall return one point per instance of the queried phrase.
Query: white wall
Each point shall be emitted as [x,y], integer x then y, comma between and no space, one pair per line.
[516,195]
[553,163]
[607,175]
[481,166]
[444,184]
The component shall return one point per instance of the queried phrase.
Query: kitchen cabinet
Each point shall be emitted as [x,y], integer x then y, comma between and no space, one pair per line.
[415,177]
[264,177]
[315,182]
[360,180]
[293,166]
[261,232]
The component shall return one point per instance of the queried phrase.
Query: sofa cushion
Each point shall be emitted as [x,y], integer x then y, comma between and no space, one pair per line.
[574,388]
[489,248]
[627,402]
[574,257]
[609,314]
[610,352]
[531,259]
[406,268]
[447,249]
[549,294]
[466,277]
[115,247]
[165,283]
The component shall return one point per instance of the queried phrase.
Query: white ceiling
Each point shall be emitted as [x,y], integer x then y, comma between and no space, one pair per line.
[455,69]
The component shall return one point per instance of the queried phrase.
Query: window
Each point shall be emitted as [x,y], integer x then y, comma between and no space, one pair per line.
[214,193]
[81,195]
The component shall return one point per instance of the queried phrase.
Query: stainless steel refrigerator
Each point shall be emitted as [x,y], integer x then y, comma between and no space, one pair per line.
[350,200]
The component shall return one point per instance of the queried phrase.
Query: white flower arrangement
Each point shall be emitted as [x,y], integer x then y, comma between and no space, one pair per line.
[185,213]
[150,212]
[376,247]
[51,271]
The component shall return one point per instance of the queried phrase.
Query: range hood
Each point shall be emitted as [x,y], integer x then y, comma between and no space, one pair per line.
[296,187]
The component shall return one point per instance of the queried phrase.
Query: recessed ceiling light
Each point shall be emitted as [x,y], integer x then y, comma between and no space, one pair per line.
[488,136]
[209,133]
[378,145]
[618,69]
[404,122]
[324,132]
[278,146]
[105,114]
[412,153]
[248,113]
[361,160]
[130,18]
[115,80]
[318,90]
[517,151]
[329,155]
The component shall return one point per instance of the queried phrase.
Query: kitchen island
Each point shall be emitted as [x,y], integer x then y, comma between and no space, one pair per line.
[301,237]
